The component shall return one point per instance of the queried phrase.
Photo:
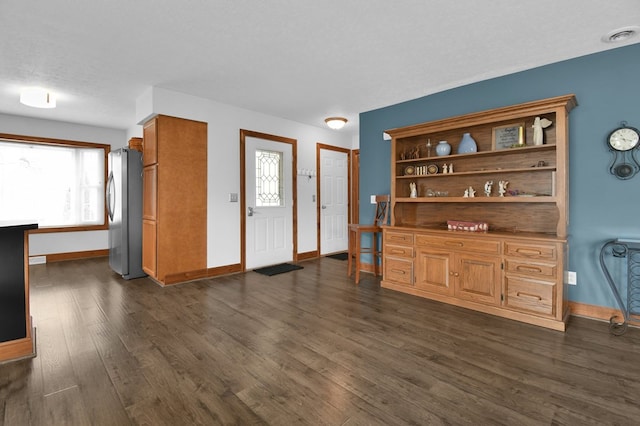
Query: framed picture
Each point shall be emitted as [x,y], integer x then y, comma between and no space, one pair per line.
[504,137]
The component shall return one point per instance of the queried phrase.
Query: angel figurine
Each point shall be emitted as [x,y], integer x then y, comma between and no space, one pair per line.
[414,191]
[538,125]
[487,188]
[472,192]
[502,187]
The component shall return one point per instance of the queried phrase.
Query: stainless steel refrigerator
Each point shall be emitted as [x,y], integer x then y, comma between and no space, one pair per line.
[124,208]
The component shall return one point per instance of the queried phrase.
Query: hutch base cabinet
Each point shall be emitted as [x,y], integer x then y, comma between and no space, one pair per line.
[514,276]
[513,181]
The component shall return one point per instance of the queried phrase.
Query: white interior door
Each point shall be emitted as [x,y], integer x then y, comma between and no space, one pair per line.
[334,207]
[269,201]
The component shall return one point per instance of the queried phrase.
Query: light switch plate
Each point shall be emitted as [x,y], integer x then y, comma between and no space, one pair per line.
[233,197]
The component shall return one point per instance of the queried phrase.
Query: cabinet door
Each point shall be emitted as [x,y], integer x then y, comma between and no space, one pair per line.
[150,143]
[433,271]
[149,247]
[478,278]
[150,192]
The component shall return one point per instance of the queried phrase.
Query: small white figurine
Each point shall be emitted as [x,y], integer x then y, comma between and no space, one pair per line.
[466,193]
[472,192]
[445,168]
[538,125]
[502,187]
[487,188]
[451,168]
[414,191]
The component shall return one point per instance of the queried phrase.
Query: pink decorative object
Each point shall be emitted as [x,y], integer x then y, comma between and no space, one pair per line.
[458,225]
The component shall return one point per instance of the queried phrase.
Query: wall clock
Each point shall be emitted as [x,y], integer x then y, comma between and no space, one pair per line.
[623,142]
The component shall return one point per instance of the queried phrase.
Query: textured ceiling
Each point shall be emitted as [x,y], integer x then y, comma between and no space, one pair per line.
[301,60]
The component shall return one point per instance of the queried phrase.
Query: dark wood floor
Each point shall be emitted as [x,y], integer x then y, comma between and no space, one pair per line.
[305,347]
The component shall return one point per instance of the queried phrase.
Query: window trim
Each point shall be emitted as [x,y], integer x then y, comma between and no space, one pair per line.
[64,142]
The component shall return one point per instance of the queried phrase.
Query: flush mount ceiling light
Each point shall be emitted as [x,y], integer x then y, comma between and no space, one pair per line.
[38,98]
[335,122]
[620,34]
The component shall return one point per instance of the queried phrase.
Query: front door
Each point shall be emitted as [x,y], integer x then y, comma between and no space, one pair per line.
[268,202]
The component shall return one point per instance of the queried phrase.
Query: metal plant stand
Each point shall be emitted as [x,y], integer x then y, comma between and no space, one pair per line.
[629,250]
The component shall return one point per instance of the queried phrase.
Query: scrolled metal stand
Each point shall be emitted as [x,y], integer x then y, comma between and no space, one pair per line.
[631,251]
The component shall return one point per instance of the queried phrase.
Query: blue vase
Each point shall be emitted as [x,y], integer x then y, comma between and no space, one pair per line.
[443,148]
[467,144]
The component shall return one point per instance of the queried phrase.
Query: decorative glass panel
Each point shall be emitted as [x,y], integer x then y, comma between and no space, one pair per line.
[269,179]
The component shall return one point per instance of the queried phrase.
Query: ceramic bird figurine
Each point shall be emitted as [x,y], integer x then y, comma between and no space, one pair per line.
[538,125]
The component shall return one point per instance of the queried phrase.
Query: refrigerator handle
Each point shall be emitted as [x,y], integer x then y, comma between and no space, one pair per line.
[111,196]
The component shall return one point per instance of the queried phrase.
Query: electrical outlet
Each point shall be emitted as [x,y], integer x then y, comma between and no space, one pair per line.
[572,278]
[233,197]
[373,199]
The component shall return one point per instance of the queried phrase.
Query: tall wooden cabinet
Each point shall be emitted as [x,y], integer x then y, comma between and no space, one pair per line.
[174,216]
[515,269]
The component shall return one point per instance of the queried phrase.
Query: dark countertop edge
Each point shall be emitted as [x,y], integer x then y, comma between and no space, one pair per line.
[17,225]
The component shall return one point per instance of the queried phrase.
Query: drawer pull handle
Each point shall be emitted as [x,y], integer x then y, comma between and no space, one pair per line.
[528,295]
[454,243]
[529,269]
[529,251]
[398,271]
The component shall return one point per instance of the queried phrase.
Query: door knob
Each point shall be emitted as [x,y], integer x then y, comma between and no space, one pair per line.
[324,207]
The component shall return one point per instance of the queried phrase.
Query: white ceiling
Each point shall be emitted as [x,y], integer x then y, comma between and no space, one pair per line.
[301,60]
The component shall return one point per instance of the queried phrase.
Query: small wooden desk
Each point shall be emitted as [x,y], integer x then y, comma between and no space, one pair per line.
[16,337]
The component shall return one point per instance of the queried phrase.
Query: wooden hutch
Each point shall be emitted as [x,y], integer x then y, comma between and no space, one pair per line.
[516,268]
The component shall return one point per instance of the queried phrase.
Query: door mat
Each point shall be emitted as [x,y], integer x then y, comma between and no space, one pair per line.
[339,256]
[277,269]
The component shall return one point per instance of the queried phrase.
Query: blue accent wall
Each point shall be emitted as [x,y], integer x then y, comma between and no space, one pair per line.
[601,207]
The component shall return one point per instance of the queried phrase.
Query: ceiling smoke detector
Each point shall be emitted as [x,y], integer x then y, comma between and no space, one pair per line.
[620,34]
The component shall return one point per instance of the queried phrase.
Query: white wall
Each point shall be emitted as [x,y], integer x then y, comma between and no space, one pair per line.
[224,124]
[64,242]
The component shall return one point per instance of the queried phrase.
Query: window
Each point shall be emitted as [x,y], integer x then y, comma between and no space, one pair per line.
[56,183]
[269,179]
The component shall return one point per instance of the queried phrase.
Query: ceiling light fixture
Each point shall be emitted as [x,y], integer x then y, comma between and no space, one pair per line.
[621,34]
[336,123]
[38,98]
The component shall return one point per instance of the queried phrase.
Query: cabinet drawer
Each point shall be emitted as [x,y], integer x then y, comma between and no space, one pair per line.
[398,270]
[477,246]
[543,270]
[398,251]
[404,238]
[530,295]
[530,251]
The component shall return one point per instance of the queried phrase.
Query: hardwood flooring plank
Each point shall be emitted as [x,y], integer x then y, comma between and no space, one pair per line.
[103,405]
[65,407]
[122,367]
